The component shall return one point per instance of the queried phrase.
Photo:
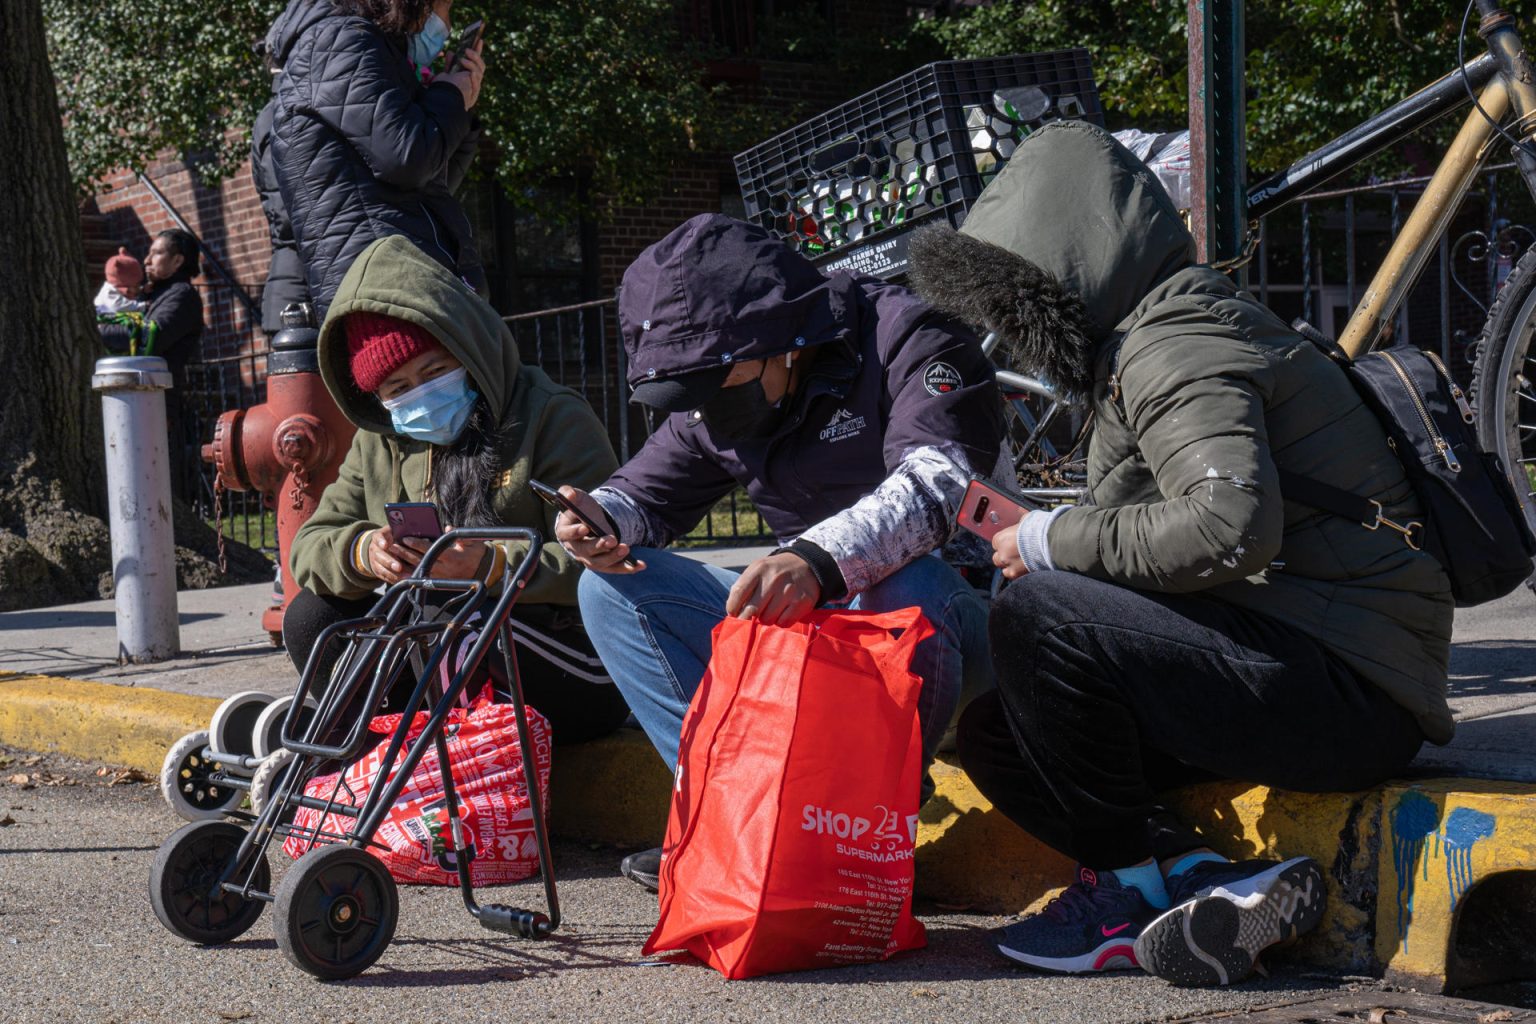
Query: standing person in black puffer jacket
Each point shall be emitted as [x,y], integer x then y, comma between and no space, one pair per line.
[366,143]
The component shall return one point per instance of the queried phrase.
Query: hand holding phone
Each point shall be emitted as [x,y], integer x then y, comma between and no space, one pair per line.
[467,40]
[596,547]
[988,510]
[413,519]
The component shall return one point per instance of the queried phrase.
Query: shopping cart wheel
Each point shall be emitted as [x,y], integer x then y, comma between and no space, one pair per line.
[234,722]
[269,776]
[184,781]
[182,880]
[267,734]
[336,912]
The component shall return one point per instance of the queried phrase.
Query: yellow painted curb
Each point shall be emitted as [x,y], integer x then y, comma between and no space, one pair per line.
[125,725]
[613,790]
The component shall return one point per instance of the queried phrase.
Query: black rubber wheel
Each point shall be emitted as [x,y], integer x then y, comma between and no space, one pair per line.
[1504,382]
[182,879]
[336,912]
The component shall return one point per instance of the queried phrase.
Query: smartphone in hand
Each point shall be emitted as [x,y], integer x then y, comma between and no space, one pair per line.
[987,510]
[553,497]
[467,39]
[418,519]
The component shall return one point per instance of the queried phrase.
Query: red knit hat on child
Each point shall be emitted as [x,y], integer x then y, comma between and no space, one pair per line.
[378,345]
[123,271]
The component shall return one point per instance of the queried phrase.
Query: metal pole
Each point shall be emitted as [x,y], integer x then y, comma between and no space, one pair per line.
[139,494]
[1217,129]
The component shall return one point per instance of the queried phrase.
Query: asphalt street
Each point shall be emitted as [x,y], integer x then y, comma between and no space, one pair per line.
[79,942]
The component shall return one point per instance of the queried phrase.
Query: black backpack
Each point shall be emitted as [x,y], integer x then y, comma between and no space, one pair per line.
[1472,522]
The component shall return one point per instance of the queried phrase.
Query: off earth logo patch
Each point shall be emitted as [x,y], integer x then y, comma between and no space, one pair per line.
[842,426]
[941,378]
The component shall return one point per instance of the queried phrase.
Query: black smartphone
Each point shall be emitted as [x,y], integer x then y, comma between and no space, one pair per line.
[414,519]
[560,501]
[468,38]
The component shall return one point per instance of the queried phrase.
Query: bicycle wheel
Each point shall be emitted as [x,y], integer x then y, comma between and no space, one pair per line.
[1503,392]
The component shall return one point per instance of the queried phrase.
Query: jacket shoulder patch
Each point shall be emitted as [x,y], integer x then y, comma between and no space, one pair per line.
[939,378]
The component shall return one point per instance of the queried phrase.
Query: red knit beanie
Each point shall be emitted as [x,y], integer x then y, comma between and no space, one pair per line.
[378,345]
[123,271]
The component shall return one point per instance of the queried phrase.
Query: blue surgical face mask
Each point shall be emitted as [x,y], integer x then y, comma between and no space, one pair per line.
[429,42]
[435,412]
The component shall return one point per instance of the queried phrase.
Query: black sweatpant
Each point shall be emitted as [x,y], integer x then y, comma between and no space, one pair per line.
[577,710]
[1107,695]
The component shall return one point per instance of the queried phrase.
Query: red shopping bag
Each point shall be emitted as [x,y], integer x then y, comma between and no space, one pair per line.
[416,834]
[794,811]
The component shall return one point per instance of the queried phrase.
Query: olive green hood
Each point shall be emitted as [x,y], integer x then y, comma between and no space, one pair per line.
[1059,249]
[397,279]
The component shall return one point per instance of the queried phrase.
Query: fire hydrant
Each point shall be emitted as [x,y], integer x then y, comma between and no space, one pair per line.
[289,448]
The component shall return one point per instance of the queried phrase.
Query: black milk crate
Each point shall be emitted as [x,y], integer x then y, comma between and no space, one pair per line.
[847,188]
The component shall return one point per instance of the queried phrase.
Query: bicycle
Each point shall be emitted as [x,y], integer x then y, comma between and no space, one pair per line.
[1496,84]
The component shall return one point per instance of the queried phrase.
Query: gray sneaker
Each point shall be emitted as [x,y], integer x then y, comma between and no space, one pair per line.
[1224,915]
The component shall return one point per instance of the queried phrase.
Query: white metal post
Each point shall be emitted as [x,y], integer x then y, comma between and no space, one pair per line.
[139,498]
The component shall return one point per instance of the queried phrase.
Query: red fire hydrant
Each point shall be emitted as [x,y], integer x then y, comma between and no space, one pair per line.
[289,448]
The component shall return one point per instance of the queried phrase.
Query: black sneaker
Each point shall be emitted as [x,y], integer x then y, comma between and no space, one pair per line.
[643,867]
[1224,915]
[1090,927]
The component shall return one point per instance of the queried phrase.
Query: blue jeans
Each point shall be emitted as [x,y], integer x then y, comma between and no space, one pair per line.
[652,630]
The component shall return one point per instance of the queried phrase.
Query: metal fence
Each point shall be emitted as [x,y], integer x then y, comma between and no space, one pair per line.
[1316,258]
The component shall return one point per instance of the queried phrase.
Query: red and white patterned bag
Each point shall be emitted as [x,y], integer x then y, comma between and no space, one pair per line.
[494,812]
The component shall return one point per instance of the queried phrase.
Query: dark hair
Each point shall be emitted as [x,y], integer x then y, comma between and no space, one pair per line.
[464,473]
[185,243]
[394,17]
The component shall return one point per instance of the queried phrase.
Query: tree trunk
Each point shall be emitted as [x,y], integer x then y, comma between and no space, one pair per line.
[53,545]
[49,425]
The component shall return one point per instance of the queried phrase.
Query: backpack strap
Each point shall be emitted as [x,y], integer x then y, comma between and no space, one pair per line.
[1347,505]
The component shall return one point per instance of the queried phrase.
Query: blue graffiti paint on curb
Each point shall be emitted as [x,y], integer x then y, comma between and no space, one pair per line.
[1463,828]
[1414,822]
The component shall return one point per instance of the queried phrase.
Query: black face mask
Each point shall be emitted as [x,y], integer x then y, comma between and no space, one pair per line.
[743,412]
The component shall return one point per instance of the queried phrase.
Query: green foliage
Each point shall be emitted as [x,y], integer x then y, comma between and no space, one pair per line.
[1315,67]
[139,76]
[605,88]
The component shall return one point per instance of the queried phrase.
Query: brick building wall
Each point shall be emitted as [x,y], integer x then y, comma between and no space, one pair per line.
[228,220]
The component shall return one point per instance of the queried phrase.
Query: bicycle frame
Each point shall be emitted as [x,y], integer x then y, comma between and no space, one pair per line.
[1502,79]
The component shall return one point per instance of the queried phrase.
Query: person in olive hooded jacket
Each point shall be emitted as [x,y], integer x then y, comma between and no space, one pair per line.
[1189,620]
[446,412]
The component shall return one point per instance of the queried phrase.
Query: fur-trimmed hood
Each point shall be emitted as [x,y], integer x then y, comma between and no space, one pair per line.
[1058,250]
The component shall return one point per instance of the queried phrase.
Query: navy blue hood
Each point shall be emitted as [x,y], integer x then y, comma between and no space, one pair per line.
[716,291]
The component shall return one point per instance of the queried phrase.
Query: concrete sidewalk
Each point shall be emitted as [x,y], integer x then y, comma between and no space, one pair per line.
[224,648]
[1469,807]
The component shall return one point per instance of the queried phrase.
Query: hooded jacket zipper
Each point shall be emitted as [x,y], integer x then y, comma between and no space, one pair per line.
[1441,445]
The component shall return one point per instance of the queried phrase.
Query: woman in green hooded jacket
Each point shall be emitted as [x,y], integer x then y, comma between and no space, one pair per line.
[446,413]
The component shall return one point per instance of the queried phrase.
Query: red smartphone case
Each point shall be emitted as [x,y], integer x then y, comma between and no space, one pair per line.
[986,510]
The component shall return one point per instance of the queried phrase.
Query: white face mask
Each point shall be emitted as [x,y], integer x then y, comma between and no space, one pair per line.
[425,45]
[435,412]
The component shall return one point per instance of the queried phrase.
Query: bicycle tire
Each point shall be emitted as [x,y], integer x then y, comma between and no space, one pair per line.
[1503,393]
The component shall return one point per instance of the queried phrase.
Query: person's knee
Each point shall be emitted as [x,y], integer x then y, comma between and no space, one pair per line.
[1033,605]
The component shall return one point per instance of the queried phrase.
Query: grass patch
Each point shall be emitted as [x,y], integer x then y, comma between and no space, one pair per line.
[734,518]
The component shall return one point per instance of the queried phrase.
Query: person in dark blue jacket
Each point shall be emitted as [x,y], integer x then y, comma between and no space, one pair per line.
[366,141]
[853,414]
